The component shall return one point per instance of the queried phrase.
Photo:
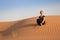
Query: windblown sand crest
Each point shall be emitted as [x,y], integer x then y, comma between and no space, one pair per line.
[27,29]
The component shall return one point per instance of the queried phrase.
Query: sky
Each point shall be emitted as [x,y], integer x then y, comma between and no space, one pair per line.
[12,10]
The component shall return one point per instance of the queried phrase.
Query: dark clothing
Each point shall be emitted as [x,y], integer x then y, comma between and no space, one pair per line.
[40,19]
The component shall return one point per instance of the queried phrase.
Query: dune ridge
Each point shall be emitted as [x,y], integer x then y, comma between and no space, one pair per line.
[27,29]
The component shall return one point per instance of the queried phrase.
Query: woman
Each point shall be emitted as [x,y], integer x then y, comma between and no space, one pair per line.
[41,19]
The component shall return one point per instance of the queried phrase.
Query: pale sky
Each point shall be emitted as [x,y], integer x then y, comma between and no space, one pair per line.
[12,10]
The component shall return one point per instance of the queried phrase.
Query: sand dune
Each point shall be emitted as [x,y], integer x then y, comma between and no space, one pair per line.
[27,29]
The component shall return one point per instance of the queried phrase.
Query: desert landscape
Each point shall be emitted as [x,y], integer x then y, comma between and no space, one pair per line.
[28,29]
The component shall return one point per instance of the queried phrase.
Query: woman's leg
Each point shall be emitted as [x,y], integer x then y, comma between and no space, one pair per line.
[43,23]
[39,22]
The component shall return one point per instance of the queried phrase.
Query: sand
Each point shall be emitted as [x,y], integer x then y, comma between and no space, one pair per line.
[27,29]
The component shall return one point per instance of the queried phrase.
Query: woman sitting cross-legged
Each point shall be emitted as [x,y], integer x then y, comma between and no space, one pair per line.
[41,18]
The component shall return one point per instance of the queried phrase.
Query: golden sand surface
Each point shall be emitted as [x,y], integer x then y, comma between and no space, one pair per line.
[28,29]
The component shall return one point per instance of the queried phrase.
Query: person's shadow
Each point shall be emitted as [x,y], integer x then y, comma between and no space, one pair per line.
[18,25]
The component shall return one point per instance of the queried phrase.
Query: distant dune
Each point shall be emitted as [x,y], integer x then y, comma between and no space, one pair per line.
[27,29]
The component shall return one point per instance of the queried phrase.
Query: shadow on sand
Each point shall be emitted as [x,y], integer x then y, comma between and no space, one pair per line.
[16,26]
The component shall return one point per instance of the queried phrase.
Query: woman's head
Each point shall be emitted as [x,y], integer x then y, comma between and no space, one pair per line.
[41,12]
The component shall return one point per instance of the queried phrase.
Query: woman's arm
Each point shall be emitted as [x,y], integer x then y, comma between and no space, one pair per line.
[43,19]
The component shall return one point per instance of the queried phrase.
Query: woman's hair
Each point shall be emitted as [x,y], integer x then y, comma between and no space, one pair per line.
[41,11]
